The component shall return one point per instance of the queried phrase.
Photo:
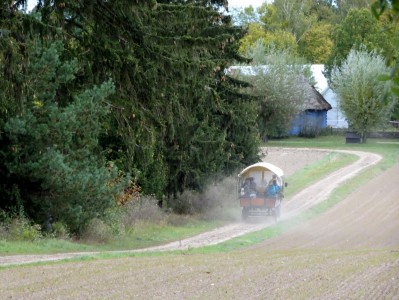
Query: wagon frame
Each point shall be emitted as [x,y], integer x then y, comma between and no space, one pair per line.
[257,202]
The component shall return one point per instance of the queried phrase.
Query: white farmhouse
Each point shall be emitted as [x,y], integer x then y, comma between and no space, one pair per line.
[335,117]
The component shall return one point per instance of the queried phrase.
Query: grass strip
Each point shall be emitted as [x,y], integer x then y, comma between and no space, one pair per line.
[313,172]
[275,230]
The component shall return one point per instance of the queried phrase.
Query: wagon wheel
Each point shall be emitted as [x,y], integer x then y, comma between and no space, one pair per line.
[276,213]
[244,213]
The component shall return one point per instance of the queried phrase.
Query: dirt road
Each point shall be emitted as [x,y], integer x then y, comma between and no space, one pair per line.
[349,252]
[290,160]
[368,218]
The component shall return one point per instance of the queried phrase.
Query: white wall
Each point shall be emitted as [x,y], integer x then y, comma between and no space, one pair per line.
[335,117]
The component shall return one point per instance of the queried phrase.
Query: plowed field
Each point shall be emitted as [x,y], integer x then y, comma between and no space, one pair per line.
[349,252]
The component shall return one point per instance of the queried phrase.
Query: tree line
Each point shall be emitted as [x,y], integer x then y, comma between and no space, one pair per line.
[101,100]
[357,41]
[321,31]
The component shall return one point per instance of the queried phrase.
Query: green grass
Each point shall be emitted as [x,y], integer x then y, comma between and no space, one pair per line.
[313,172]
[141,236]
[146,234]
[387,148]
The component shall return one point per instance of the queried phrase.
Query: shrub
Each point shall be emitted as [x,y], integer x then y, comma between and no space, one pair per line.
[214,200]
[60,231]
[310,131]
[20,229]
[3,231]
[186,203]
[365,99]
[15,226]
[177,220]
[143,208]
[114,219]
[97,231]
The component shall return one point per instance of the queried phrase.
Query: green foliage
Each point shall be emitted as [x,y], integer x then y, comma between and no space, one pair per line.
[245,17]
[360,28]
[97,231]
[343,7]
[365,100]
[60,231]
[316,44]
[293,16]
[21,230]
[391,9]
[175,130]
[138,87]
[255,32]
[279,39]
[53,148]
[17,227]
[321,31]
[277,84]
[281,24]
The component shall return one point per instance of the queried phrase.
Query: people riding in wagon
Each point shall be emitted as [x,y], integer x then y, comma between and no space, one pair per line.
[273,190]
[249,187]
[274,177]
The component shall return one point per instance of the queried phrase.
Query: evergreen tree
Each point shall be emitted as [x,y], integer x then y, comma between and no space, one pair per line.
[174,119]
[173,104]
[53,152]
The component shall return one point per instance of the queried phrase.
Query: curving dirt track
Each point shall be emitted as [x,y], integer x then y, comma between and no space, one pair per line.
[349,252]
[300,202]
[290,160]
[369,217]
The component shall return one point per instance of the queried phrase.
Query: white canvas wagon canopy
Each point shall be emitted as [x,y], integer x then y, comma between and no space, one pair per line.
[262,172]
[257,192]
[262,166]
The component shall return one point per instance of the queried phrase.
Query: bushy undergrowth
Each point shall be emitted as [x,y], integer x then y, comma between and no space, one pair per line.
[17,227]
[143,208]
[215,199]
[119,222]
[97,231]
[310,131]
[122,221]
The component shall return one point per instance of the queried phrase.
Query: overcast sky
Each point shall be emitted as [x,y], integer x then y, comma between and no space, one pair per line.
[245,3]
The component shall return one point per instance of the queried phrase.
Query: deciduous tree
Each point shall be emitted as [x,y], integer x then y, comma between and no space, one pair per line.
[359,28]
[365,100]
[276,77]
[390,8]
[316,44]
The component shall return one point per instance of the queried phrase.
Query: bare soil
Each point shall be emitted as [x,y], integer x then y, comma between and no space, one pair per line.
[349,252]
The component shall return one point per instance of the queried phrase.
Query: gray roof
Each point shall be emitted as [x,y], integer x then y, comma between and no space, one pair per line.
[315,100]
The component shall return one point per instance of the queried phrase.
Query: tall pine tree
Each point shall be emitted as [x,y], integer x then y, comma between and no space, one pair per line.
[175,121]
